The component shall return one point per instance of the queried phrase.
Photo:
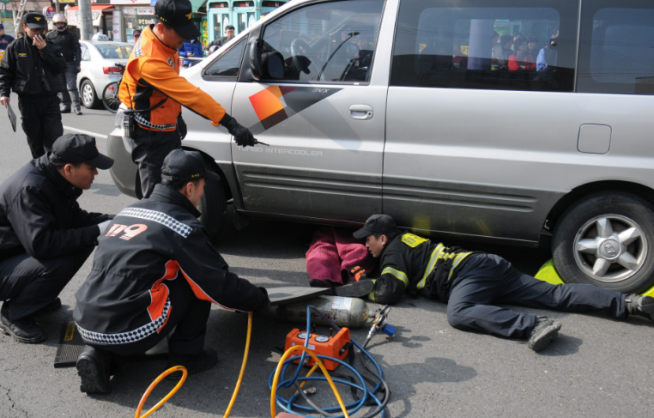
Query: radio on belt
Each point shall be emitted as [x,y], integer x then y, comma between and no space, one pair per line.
[336,346]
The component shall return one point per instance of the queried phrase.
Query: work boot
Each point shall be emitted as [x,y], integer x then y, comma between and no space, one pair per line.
[355,290]
[24,330]
[640,305]
[206,360]
[66,109]
[93,366]
[78,111]
[53,306]
[544,332]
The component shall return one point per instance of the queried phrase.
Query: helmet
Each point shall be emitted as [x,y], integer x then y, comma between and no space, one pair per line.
[59,18]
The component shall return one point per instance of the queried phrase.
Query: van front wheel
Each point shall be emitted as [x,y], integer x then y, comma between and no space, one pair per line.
[213,209]
[607,240]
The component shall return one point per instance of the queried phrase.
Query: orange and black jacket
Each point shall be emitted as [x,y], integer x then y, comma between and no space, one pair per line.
[125,297]
[416,265]
[152,80]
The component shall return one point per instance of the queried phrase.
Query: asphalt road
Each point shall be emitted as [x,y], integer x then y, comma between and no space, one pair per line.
[598,367]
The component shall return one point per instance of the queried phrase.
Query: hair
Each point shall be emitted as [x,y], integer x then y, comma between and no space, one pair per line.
[390,235]
[59,163]
[505,38]
[179,185]
[229,27]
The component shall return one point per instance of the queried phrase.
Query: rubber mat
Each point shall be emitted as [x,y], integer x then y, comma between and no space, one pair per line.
[290,294]
[70,346]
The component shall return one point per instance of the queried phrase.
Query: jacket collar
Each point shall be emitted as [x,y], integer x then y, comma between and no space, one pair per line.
[62,184]
[148,33]
[165,194]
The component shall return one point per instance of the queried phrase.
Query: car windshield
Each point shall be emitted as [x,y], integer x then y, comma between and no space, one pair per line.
[108,50]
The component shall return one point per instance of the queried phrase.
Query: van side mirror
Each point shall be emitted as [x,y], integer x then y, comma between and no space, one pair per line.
[255,58]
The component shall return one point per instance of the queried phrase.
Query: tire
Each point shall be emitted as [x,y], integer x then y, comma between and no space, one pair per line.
[213,207]
[607,240]
[110,98]
[87,95]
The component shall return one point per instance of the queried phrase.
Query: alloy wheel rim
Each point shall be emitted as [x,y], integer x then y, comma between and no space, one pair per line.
[88,94]
[610,248]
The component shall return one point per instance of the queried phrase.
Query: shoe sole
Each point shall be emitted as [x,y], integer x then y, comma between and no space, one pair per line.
[23,340]
[648,306]
[355,290]
[92,382]
[545,337]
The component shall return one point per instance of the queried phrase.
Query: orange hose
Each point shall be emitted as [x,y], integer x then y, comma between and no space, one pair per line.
[167,397]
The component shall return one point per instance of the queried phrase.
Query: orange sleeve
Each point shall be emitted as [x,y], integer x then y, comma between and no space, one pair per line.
[159,75]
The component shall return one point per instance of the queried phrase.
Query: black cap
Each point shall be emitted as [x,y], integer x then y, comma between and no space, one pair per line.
[136,33]
[180,165]
[80,148]
[177,14]
[376,224]
[2,26]
[35,21]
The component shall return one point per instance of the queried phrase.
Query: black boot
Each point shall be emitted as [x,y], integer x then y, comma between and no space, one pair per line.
[24,330]
[355,290]
[640,305]
[206,360]
[66,109]
[544,332]
[94,367]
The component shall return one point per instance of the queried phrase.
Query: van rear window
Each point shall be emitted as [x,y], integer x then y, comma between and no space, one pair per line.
[617,48]
[482,44]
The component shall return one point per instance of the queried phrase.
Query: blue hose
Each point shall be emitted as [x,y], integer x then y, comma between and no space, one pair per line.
[288,404]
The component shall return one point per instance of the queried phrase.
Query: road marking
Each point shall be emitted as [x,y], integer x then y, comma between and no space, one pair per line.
[81,131]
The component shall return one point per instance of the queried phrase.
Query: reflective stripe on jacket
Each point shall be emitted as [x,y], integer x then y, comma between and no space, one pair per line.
[152,76]
[408,262]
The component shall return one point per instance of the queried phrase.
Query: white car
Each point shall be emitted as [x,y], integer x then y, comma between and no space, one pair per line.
[99,68]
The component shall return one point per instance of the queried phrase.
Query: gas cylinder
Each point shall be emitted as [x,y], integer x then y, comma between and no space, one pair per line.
[345,312]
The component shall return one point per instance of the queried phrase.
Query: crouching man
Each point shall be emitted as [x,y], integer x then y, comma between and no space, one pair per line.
[154,271]
[44,235]
[471,282]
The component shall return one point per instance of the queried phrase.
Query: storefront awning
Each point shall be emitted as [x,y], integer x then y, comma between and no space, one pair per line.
[197,4]
[95,7]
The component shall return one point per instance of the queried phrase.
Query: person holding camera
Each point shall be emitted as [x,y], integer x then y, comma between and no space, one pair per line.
[31,67]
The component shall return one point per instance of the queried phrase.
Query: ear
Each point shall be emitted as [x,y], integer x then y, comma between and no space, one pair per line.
[68,169]
[383,239]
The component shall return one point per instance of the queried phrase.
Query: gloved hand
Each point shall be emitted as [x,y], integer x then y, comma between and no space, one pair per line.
[181,127]
[242,135]
[103,226]
[265,306]
[359,273]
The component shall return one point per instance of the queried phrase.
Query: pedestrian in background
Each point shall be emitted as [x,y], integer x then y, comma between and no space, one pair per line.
[69,44]
[30,67]
[5,39]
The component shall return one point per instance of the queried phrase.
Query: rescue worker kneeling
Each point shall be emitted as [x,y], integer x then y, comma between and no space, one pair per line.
[154,271]
[471,282]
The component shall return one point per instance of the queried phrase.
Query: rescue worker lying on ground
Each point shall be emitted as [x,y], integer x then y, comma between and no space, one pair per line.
[44,235]
[154,270]
[469,282]
[154,92]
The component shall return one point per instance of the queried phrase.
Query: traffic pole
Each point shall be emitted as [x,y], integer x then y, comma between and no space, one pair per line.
[86,20]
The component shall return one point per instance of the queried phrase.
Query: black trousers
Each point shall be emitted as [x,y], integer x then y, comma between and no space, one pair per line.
[41,122]
[28,284]
[149,148]
[486,279]
[188,313]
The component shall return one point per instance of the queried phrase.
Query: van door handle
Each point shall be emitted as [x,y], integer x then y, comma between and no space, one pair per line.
[361,112]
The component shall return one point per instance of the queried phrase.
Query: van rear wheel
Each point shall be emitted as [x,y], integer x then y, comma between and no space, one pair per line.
[607,240]
[213,209]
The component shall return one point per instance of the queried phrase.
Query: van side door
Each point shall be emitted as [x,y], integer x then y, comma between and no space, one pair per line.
[320,105]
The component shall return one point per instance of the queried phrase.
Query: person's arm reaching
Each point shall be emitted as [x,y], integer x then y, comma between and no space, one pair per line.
[393,281]
[208,275]
[35,226]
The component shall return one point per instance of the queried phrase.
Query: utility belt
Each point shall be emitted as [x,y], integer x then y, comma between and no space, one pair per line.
[134,119]
[441,271]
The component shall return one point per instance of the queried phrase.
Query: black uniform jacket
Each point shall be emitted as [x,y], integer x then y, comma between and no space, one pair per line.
[159,239]
[39,214]
[409,263]
[30,72]
[68,43]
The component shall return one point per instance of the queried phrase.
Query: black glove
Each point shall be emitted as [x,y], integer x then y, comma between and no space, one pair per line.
[181,127]
[242,135]
[265,306]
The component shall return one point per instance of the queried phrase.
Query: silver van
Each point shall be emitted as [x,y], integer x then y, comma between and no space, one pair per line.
[519,121]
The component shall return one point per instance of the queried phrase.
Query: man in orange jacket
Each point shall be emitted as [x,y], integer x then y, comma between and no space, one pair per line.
[154,92]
